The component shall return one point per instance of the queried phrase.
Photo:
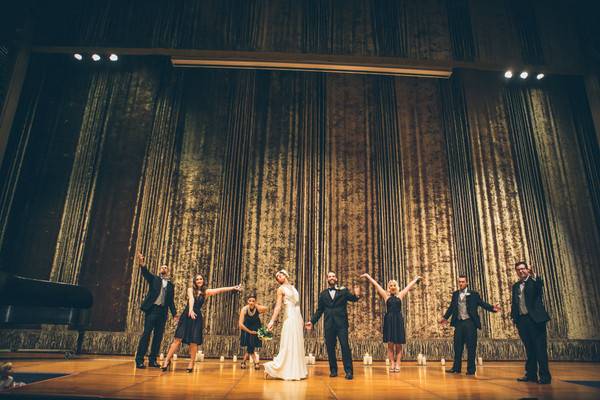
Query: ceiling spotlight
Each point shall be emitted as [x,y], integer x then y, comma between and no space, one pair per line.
[113,57]
[95,57]
[78,56]
[540,76]
[508,74]
[524,75]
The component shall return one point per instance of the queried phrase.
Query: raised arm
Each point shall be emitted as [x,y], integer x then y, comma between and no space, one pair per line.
[212,292]
[277,309]
[241,322]
[384,294]
[412,283]
[142,263]
[191,300]
[261,309]
[354,295]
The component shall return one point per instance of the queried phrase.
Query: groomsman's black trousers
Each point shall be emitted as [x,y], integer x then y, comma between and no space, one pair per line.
[155,321]
[535,340]
[331,336]
[465,332]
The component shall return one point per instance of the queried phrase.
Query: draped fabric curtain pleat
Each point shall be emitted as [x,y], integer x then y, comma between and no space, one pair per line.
[236,174]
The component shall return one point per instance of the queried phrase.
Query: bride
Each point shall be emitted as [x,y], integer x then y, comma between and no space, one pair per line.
[289,364]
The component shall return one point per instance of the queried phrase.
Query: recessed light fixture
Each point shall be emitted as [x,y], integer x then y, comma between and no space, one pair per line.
[508,74]
[78,56]
[540,76]
[113,57]
[524,75]
[96,57]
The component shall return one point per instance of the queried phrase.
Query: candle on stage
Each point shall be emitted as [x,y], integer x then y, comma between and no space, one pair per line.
[222,359]
[366,359]
[161,357]
[443,361]
[479,361]
[387,361]
[234,358]
[420,359]
[174,357]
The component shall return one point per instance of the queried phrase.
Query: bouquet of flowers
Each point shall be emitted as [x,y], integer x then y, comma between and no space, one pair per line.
[264,334]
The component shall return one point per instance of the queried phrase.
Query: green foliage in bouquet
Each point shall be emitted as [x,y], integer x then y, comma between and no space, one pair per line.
[264,334]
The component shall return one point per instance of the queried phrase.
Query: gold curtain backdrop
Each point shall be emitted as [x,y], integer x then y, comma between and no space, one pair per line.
[236,174]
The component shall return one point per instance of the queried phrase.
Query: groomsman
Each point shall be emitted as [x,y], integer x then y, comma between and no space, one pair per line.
[463,310]
[530,316]
[332,302]
[159,298]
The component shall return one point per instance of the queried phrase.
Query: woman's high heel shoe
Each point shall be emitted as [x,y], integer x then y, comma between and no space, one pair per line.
[165,367]
[190,369]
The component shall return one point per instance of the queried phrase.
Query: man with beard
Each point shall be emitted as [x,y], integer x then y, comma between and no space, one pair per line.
[332,302]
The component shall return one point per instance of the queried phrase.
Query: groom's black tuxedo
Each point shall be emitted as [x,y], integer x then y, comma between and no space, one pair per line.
[336,325]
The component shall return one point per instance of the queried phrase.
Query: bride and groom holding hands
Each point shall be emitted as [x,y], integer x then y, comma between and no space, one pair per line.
[289,363]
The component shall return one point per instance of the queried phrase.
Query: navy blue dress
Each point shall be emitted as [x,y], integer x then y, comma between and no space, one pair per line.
[393,322]
[190,330]
[251,322]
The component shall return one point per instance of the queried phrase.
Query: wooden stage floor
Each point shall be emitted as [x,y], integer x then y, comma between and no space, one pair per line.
[116,377]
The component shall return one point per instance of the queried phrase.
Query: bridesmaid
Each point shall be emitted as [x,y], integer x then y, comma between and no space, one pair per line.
[249,324]
[189,328]
[393,322]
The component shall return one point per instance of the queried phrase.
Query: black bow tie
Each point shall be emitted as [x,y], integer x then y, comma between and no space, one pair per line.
[332,288]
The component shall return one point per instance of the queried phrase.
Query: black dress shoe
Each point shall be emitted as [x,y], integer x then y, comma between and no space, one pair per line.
[526,379]
[349,376]
[452,371]
[154,364]
[332,374]
[545,381]
[140,365]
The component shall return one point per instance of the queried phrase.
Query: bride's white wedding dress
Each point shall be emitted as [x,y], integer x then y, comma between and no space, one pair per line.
[290,364]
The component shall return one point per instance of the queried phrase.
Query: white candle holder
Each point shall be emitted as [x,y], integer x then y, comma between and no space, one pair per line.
[443,362]
[222,358]
[174,357]
[366,359]
[420,359]
[387,361]
[424,361]
[161,356]
[479,361]
[234,358]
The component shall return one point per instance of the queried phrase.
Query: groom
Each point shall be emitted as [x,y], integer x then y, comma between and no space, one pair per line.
[332,302]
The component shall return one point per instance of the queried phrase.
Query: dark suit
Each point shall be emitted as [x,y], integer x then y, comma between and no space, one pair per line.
[336,325]
[155,315]
[465,331]
[532,327]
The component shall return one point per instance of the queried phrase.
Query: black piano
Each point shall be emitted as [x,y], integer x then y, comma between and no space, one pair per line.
[25,301]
